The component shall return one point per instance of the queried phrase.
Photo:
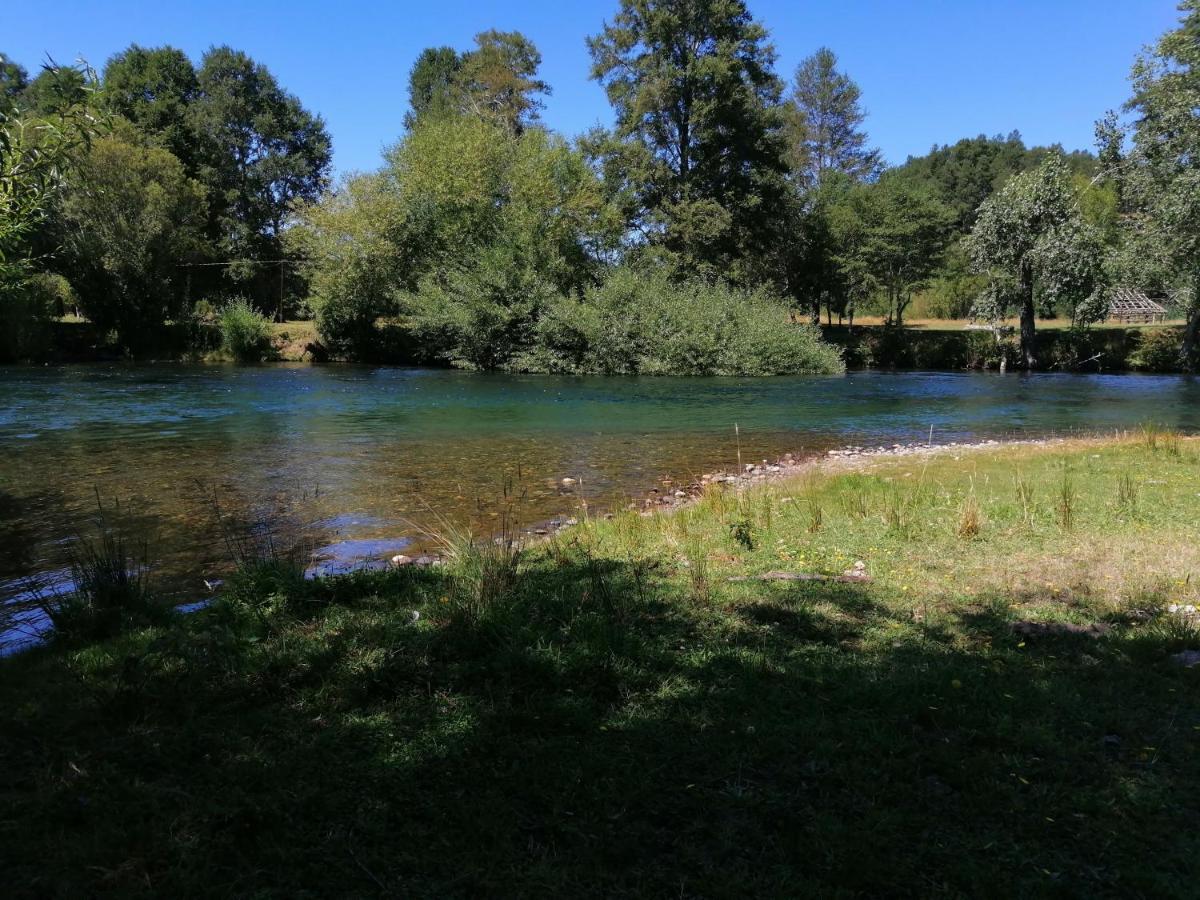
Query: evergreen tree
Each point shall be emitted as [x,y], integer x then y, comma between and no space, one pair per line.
[697,152]
[824,124]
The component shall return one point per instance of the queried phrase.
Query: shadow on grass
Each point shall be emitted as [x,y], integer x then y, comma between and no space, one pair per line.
[595,734]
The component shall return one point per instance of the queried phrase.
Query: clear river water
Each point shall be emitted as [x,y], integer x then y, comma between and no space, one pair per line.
[358,461]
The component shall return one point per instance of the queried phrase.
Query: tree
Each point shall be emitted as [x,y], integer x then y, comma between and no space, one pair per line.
[466,229]
[153,88]
[1031,240]
[497,81]
[259,152]
[57,89]
[697,152]
[824,124]
[129,214]
[968,172]
[890,238]
[36,155]
[13,81]
[1163,177]
[433,85]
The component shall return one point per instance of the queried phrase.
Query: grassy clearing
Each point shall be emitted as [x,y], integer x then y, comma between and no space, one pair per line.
[608,714]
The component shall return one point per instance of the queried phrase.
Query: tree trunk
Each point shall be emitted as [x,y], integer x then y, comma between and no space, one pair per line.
[1028,321]
[1191,334]
[1191,337]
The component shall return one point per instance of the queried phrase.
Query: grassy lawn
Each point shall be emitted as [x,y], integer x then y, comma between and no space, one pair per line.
[608,714]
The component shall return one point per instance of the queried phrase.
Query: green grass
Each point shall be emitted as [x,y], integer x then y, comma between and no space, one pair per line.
[607,714]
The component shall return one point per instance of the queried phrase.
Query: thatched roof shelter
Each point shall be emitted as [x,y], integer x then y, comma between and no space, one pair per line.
[1131,306]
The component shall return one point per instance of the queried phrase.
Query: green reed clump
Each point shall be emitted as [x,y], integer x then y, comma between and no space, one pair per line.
[855,502]
[1127,492]
[110,587]
[485,573]
[970,519]
[1024,488]
[816,515]
[1067,497]
[1155,437]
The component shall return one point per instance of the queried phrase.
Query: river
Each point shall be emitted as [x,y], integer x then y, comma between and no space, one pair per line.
[353,462]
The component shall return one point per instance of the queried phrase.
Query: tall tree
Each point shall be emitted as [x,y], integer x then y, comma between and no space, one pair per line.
[697,147]
[1163,177]
[57,89]
[129,214]
[13,81]
[824,123]
[499,79]
[1031,239]
[259,152]
[433,85]
[890,237]
[496,81]
[153,88]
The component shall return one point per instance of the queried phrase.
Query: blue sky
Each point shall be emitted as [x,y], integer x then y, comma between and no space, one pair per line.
[931,71]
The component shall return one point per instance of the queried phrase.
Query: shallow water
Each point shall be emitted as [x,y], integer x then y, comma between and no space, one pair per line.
[353,462]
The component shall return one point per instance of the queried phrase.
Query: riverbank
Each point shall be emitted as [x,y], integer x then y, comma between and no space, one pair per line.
[974,666]
[1149,348]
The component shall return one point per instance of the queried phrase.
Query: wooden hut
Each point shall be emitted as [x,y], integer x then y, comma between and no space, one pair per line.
[1132,307]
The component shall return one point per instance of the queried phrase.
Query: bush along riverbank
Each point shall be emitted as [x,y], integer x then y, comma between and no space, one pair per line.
[976,663]
[1146,349]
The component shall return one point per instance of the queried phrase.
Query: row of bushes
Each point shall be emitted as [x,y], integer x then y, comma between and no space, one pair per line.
[34,330]
[633,322]
[1091,350]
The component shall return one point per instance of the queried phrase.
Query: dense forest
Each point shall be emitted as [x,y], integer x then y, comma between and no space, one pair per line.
[724,214]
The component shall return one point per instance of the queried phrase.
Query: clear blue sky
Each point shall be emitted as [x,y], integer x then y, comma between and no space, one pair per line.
[931,71]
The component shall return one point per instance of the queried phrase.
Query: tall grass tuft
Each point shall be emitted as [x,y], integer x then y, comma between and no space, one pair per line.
[110,587]
[970,520]
[816,515]
[855,502]
[1155,436]
[1066,503]
[486,573]
[1025,497]
[895,512]
[1127,492]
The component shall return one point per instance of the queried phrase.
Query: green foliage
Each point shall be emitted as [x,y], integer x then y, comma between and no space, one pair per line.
[890,237]
[129,215]
[155,89]
[110,588]
[13,81]
[824,124]
[644,323]
[245,332]
[1162,179]
[464,219]
[497,81]
[26,312]
[696,159]
[1157,350]
[1031,240]
[259,152]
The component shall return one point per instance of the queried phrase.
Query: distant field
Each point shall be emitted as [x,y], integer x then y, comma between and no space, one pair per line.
[927,324]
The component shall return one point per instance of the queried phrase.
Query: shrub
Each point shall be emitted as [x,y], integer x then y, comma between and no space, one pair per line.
[643,323]
[481,316]
[25,315]
[1157,350]
[245,332]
